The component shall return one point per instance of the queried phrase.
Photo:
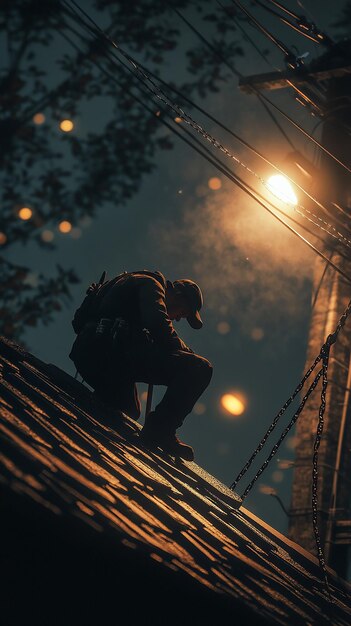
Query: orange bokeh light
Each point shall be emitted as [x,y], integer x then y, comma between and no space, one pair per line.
[232,404]
[47,235]
[25,213]
[65,226]
[214,183]
[39,118]
[66,126]
[223,328]
[3,239]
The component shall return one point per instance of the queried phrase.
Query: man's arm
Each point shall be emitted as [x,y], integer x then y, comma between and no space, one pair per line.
[154,316]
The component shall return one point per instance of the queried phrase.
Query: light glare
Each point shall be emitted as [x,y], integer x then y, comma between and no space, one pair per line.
[39,118]
[65,227]
[25,213]
[214,183]
[280,187]
[232,404]
[66,126]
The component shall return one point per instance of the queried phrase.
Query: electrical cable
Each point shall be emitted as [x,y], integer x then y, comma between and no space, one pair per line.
[259,95]
[303,27]
[289,217]
[243,31]
[207,43]
[234,71]
[263,97]
[263,202]
[290,58]
[198,128]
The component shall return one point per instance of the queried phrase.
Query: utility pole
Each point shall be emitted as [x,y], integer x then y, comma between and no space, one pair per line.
[329,75]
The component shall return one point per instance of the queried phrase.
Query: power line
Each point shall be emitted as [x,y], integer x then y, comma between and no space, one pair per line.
[291,60]
[269,102]
[249,190]
[207,43]
[302,26]
[195,126]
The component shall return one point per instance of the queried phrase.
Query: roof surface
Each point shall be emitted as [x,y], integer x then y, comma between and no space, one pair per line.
[94,518]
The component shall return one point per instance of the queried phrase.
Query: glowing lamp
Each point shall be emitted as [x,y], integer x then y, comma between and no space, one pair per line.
[280,187]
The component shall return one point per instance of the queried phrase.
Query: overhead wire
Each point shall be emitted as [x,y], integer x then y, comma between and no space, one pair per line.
[249,190]
[303,27]
[260,97]
[243,31]
[233,70]
[298,66]
[341,238]
[199,129]
[288,54]
[223,168]
[207,136]
[272,104]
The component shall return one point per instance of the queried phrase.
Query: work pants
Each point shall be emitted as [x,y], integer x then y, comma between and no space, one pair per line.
[113,375]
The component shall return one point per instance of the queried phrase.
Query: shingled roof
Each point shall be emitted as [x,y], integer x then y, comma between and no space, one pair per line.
[96,528]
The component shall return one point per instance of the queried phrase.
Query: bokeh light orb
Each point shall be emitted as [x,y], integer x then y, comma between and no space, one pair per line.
[232,404]
[47,236]
[25,213]
[3,239]
[65,226]
[257,334]
[66,126]
[223,328]
[280,187]
[214,183]
[39,118]
[199,408]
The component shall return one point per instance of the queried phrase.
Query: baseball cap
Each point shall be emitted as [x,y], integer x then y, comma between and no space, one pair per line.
[193,295]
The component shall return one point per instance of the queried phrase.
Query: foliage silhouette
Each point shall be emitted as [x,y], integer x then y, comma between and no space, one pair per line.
[52,66]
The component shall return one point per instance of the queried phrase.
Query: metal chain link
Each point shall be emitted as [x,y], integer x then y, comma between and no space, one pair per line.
[330,340]
[325,357]
[283,435]
[274,423]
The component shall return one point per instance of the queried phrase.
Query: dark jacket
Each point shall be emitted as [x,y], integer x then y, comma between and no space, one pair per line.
[140,299]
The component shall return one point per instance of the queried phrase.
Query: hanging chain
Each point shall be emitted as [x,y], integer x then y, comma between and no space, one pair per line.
[330,340]
[325,351]
[274,423]
[283,435]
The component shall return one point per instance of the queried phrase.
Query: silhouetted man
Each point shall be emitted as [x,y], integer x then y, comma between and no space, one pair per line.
[131,339]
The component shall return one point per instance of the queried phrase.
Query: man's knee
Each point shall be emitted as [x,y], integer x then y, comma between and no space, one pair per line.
[203,368]
[208,369]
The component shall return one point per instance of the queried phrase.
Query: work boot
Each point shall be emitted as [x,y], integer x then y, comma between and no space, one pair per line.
[174,446]
[153,436]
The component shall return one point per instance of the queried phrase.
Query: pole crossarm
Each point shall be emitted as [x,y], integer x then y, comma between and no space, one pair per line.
[280,80]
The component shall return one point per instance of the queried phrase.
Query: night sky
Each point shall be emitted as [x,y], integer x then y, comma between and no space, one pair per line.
[254,274]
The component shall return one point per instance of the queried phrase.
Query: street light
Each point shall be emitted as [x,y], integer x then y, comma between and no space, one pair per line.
[280,187]
[297,169]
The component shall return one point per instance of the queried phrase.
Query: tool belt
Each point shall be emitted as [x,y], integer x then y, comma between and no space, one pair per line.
[115,332]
